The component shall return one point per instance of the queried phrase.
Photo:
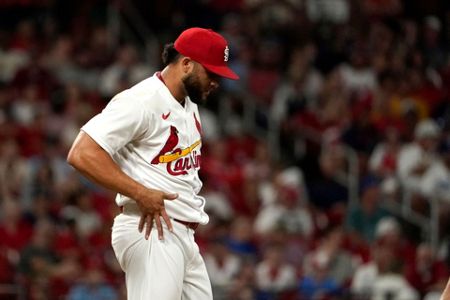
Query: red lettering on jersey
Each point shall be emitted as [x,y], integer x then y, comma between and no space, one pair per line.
[197,159]
[177,169]
[187,163]
[180,166]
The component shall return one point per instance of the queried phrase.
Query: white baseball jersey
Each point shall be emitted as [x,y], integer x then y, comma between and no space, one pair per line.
[156,141]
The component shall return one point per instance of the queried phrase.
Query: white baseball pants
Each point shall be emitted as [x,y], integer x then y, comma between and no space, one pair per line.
[169,269]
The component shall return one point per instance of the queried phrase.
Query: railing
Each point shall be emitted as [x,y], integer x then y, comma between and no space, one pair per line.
[428,224]
[272,136]
[125,22]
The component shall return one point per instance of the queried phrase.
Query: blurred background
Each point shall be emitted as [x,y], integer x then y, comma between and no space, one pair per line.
[326,167]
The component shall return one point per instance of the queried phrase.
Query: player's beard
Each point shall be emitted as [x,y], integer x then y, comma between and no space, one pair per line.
[194,88]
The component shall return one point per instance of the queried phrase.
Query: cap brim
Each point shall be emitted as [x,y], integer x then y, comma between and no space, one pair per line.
[223,71]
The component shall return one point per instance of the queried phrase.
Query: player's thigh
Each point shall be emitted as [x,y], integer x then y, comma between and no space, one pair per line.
[154,269]
[197,285]
[124,235]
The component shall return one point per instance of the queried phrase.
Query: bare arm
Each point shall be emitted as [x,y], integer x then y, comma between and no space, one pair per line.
[96,164]
[446,293]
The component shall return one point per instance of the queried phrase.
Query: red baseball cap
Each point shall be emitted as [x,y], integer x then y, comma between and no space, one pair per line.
[208,48]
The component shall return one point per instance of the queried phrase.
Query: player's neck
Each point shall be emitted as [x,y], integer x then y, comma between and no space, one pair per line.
[174,84]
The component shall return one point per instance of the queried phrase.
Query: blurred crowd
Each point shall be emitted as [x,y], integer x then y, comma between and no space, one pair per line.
[324,76]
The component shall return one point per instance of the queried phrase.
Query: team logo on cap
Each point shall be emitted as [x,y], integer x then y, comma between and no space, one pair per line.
[226,53]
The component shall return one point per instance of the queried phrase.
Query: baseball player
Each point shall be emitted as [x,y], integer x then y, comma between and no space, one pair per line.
[145,145]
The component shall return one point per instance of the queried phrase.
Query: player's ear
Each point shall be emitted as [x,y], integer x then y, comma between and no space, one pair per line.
[187,65]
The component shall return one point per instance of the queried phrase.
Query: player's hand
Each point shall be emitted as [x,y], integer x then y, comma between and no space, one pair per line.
[151,204]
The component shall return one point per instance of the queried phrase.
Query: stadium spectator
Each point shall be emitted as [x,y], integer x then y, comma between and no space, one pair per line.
[331,255]
[366,274]
[273,275]
[427,274]
[222,267]
[93,286]
[416,159]
[362,220]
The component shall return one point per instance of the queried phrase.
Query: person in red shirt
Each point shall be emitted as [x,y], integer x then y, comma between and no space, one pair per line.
[427,273]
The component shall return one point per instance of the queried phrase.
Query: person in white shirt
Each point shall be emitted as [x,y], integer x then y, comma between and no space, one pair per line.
[222,266]
[393,286]
[365,275]
[415,159]
[145,145]
[290,210]
[273,274]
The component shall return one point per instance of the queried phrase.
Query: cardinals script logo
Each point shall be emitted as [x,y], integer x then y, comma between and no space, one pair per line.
[179,160]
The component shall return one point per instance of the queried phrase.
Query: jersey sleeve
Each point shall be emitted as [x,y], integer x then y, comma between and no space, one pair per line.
[123,120]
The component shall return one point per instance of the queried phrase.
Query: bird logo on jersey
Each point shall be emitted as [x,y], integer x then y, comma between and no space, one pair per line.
[179,160]
[169,146]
